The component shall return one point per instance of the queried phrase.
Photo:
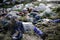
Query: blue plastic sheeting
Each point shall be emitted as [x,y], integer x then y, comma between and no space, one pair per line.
[34,22]
[37,31]
[37,17]
[33,14]
[56,21]
[19,26]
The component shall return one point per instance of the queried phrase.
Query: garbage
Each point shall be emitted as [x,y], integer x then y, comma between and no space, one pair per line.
[30,19]
[33,14]
[39,0]
[17,36]
[36,8]
[18,7]
[37,31]
[18,26]
[37,17]
[8,16]
[40,33]
[9,9]
[48,13]
[24,8]
[13,13]
[41,7]
[25,11]
[48,10]
[29,9]
[29,5]
[45,21]
[28,26]
[56,21]
[35,21]
[4,23]
[30,14]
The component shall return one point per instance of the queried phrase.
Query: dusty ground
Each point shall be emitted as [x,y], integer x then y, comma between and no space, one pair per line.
[31,37]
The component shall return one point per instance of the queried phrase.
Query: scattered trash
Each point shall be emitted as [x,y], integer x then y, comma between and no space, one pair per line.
[56,21]
[28,26]
[22,18]
[29,5]
[18,7]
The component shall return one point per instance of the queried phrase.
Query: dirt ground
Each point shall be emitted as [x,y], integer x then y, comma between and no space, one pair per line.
[31,37]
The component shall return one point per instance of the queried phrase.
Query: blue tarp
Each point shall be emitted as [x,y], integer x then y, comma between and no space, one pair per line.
[56,21]
[37,31]
[19,27]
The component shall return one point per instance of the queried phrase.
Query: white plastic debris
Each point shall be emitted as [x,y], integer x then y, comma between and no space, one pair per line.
[13,13]
[48,10]
[18,7]
[39,0]
[49,5]
[29,18]
[45,21]
[24,8]
[28,26]
[41,14]
[14,36]
[36,6]
[9,9]
[29,5]
[41,4]
[41,7]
